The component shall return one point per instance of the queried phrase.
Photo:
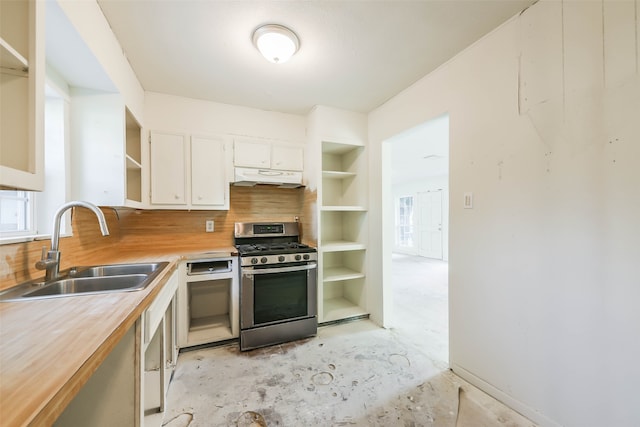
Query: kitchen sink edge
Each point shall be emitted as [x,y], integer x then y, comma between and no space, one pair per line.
[88,280]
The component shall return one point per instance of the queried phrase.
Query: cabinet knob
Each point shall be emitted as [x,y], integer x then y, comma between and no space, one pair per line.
[176,197]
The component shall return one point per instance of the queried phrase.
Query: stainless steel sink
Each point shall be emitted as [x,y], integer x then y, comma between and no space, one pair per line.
[81,285]
[113,270]
[96,279]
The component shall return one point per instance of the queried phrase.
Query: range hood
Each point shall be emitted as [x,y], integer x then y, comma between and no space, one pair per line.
[248,177]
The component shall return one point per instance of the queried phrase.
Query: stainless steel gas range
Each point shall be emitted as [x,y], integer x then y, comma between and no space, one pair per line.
[278,284]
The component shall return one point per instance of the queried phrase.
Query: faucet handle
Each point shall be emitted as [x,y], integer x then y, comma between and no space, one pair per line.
[48,259]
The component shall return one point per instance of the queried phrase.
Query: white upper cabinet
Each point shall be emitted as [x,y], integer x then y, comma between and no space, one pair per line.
[22,94]
[286,157]
[208,180]
[189,172]
[251,154]
[105,150]
[267,155]
[168,169]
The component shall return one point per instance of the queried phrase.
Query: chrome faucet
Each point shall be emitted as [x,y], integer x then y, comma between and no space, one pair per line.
[50,260]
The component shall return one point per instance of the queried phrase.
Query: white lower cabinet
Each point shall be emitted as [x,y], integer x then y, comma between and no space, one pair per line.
[129,388]
[208,309]
[109,397]
[158,353]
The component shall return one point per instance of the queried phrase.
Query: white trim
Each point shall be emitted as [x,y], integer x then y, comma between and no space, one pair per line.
[28,238]
[503,397]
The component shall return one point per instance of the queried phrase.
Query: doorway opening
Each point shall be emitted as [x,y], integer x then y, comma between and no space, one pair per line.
[417,189]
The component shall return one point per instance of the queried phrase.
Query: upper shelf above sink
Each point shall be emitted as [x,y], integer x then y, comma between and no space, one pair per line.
[91,280]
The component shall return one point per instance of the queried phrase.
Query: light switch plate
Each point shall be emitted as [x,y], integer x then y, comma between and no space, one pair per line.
[209,226]
[468,201]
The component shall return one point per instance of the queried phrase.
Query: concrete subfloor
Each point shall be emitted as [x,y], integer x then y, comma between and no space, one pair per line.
[350,374]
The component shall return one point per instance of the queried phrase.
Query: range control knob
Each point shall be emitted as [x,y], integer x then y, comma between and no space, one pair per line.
[281,258]
[306,256]
[298,257]
[254,260]
[263,260]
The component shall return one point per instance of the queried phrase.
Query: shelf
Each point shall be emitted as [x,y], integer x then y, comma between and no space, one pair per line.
[209,329]
[338,174]
[132,164]
[341,245]
[210,322]
[11,59]
[206,336]
[338,147]
[335,274]
[343,208]
[341,308]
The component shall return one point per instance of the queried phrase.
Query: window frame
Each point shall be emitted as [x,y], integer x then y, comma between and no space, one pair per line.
[405,222]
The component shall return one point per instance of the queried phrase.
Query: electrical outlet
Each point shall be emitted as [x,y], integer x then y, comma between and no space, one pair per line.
[209,226]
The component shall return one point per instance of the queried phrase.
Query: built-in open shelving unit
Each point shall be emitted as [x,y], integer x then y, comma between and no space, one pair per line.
[133,156]
[12,61]
[343,231]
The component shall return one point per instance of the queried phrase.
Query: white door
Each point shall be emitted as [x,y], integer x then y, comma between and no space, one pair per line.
[430,224]
[208,176]
[168,177]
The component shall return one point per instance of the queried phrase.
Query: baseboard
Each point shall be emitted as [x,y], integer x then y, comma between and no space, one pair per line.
[503,397]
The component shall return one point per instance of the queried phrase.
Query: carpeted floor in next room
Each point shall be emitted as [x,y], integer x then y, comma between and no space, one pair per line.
[350,374]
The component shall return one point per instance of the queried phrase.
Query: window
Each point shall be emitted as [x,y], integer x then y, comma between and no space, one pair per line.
[25,214]
[16,213]
[404,222]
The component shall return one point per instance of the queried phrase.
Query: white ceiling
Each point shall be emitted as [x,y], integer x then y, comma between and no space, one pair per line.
[354,55]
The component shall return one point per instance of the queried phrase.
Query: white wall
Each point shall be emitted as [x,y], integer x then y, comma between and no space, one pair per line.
[178,114]
[86,16]
[544,283]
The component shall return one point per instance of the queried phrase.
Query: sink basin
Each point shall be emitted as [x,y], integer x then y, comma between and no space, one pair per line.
[96,279]
[80,285]
[113,270]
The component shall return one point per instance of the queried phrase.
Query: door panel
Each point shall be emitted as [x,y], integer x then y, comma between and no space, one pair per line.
[168,180]
[430,224]
[208,183]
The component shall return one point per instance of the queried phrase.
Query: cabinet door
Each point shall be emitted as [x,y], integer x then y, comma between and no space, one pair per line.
[208,173]
[251,154]
[98,167]
[168,178]
[286,157]
[22,82]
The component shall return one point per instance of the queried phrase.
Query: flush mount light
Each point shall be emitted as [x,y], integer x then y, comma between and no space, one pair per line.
[276,43]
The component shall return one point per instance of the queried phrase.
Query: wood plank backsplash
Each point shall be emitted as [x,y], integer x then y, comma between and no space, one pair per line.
[160,231]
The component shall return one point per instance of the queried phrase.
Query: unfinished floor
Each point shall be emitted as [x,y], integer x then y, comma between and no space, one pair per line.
[351,374]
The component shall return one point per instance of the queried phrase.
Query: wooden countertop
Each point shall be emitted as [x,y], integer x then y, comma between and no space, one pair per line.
[49,348]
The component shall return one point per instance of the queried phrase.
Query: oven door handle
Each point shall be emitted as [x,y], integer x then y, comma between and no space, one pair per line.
[249,271]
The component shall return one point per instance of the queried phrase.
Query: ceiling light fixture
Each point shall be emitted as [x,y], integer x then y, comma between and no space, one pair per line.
[276,43]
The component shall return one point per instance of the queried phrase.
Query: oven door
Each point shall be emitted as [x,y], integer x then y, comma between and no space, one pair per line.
[276,294]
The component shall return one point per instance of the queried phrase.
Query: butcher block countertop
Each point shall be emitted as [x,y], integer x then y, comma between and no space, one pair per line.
[49,348]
